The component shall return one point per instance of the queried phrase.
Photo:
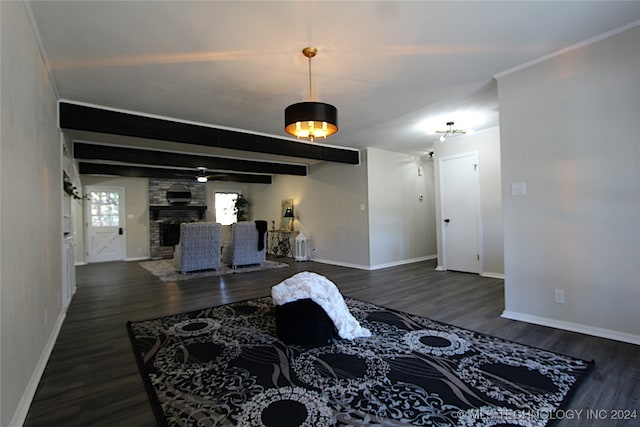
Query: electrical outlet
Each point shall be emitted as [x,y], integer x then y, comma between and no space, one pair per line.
[559,296]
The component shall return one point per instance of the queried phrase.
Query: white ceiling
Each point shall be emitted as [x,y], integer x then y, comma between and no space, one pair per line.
[387,66]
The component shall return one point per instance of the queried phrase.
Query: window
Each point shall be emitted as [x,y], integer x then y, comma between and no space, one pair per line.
[105,208]
[225,205]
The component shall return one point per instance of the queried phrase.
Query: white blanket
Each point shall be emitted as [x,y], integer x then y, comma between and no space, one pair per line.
[324,293]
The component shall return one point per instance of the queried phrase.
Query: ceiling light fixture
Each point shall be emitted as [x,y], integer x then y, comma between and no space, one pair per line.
[310,119]
[202,176]
[450,131]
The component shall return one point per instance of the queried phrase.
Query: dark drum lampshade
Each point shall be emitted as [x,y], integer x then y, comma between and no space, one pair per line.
[311,119]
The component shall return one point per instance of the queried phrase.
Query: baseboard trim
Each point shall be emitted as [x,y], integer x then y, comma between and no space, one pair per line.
[340,264]
[142,258]
[402,262]
[492,275]
[378,266]
[573,327]
[20,415]
[440,268]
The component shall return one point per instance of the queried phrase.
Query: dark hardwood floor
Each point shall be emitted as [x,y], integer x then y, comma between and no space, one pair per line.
[92,378]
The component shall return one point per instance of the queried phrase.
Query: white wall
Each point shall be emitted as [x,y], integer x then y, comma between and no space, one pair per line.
[487,145]
[401,226]
[30,215]
[327,209]
[570,128]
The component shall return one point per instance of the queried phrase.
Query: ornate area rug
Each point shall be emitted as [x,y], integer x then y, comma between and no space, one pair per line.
[165,271]
[224,366]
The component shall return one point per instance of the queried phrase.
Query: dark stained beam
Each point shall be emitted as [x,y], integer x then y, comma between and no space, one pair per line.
[92,119]
[85,151]
[144,172]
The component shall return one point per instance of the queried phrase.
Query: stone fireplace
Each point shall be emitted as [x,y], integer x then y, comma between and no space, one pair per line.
[165,217]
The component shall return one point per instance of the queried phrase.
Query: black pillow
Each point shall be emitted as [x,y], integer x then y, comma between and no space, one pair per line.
[305,323]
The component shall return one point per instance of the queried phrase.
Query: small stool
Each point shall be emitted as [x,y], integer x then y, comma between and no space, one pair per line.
[305,323]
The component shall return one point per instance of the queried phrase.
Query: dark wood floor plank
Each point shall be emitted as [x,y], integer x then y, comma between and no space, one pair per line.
[92,378]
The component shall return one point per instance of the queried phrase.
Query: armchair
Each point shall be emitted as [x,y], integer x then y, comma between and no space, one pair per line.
[198,248]
[244,248]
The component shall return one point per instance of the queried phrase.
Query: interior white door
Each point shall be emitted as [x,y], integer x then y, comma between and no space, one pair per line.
[105,224]
[459,190]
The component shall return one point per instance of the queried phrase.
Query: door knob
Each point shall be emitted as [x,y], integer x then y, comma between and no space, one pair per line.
[447,221]
[120,231]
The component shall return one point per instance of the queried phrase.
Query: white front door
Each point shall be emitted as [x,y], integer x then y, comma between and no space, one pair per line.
[460,202]
[105,224]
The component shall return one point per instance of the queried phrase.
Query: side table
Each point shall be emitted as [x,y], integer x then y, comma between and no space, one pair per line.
[280,243]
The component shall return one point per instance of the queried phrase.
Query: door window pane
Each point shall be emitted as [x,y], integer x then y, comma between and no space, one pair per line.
[105,208]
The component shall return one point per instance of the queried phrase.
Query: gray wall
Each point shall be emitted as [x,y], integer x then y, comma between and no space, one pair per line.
[569,129]
[487,145]
[327,209]
[30,215]
[367,216]
[401,226]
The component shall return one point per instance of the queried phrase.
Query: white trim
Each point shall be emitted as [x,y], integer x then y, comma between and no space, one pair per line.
[191,122]
[341,264]
[20,415]
[402,262]
[440,268]
[142,258]
[38,37]
[570,326]
[578,45]
[80,263]
[375,267]
[492,275]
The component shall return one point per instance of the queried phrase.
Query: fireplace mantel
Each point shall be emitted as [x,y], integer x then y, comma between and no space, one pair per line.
[156,209]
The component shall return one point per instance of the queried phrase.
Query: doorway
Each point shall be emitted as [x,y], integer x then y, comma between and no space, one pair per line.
[460,212]
[104,217]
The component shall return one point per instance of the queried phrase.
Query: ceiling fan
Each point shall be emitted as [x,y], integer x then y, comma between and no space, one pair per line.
[202,176]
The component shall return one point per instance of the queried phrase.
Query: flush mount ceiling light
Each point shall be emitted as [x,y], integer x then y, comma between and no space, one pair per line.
[310,119]
[451,131]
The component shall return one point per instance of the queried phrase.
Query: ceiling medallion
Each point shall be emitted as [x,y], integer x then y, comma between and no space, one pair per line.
[310,119]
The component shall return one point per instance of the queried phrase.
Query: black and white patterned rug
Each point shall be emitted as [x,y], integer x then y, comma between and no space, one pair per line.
[224,366]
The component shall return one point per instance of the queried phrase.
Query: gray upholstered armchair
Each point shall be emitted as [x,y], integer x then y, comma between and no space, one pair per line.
[248,244]
[199,247]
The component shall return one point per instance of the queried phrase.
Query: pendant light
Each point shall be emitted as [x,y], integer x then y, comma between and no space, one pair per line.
[310,119]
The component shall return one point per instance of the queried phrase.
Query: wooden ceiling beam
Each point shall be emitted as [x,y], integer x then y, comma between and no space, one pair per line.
[149,172]
[101,120]
[86,151]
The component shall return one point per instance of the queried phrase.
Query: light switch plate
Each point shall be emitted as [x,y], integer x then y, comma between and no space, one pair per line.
[519,189]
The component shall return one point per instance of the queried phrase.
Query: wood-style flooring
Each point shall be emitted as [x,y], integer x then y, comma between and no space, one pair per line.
[92,378]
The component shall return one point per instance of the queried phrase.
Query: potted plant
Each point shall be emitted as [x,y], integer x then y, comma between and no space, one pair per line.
[241,208]
[72,190]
